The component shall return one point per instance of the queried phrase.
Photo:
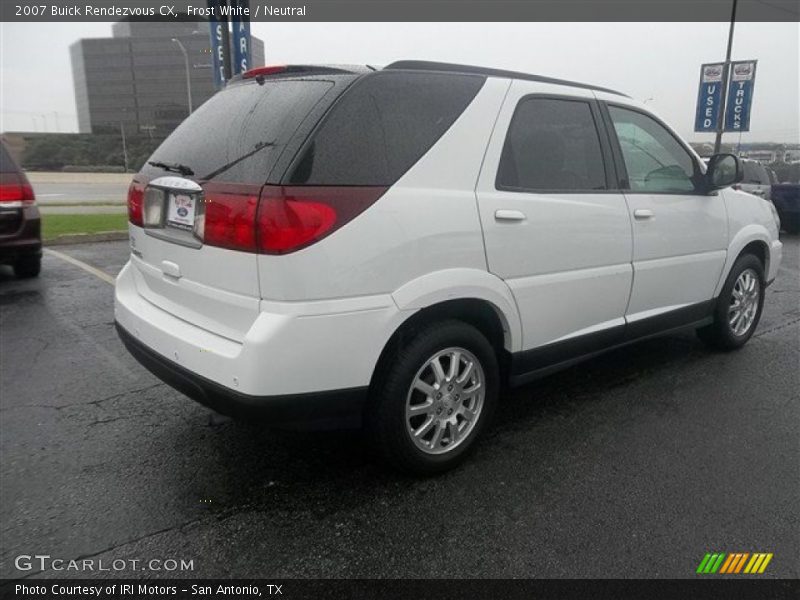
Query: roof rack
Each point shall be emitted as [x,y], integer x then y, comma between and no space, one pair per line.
[424,65]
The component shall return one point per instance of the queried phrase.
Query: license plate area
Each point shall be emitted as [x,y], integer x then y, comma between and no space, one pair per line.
[181,210]
[174,210]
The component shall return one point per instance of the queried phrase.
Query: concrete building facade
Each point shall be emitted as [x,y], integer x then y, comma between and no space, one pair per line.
[136,79]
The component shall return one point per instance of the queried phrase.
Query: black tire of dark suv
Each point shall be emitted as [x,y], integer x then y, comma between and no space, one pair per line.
[28,267]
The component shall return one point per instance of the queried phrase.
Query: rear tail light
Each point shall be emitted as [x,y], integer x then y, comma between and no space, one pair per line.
[135,203]
[230,217]
[294,217]
[16,191]
[282,220]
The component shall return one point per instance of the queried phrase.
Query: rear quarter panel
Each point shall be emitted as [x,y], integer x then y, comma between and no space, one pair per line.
[426,222]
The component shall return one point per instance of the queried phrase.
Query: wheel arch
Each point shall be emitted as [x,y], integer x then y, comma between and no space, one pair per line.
[753,239]
[479,313]
[470,295]
[463,292]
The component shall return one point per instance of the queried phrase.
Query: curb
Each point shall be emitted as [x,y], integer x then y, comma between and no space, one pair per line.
[87,238]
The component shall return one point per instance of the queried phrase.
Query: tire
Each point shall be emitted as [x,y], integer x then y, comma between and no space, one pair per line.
[723,333]
[450,435]
[28,266]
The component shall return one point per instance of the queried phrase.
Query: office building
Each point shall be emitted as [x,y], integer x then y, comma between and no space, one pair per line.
[136,79]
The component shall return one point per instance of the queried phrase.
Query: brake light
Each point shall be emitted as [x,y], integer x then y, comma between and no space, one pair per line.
[294,217]
[230,216]
[16,191]
[262,71]
[276,219]
[135,203]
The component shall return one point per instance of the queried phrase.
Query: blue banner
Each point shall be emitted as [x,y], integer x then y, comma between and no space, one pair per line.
[218,26]
[241,38]
[740,95]
[709,97]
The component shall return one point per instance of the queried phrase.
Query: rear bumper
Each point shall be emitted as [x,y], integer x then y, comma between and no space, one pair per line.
[26,241]
[316,410]
[294,362]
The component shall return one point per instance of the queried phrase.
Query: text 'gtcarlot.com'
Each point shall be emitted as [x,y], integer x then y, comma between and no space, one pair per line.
[45,562]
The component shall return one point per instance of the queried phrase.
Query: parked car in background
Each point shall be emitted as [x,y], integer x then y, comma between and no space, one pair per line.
[20,223]
[344,246]
[756,179]
[786,198]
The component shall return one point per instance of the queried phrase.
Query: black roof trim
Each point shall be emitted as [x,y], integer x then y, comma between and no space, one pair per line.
[424,65]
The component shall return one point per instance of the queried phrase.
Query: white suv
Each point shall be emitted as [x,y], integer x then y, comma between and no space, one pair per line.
[333,246]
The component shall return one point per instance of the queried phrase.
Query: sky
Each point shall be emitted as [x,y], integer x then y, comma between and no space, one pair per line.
[654,62]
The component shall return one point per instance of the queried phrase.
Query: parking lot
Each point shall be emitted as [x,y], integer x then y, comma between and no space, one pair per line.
[634,464]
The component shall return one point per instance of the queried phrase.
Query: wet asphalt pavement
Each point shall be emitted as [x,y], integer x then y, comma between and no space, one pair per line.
[634,464]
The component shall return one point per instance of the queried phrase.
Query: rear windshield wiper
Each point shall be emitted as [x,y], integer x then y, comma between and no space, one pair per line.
[174,167]
[225,167]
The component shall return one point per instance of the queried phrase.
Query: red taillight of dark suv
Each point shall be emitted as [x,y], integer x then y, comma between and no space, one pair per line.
[20,224]
[14,189]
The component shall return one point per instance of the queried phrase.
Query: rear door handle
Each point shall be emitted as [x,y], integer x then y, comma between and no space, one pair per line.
[643,213]
[505,214]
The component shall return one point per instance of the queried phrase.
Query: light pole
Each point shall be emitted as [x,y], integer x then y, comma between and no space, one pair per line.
[188,76]
[124,145]
[725,75]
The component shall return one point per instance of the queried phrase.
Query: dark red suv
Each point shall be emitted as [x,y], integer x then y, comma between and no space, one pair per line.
[20,223]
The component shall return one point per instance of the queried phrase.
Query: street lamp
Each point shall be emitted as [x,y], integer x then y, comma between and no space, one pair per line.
[188,76]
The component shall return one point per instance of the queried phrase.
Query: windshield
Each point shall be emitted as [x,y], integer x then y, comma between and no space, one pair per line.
[239,133]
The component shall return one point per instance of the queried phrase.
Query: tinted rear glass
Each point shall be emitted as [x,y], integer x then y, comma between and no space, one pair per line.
[244,128]
[6,164]
[382,125]
[552,144]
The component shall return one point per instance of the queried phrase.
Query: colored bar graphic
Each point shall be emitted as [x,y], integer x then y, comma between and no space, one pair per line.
[765,563]
[740,564]
[718,563]
[757,558]
[734,563]
[711,562]
[727,564]
[703,563]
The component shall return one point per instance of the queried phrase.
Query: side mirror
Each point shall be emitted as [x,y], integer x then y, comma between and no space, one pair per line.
[723,170]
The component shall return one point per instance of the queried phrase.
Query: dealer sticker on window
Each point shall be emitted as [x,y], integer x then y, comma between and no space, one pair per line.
[180,213]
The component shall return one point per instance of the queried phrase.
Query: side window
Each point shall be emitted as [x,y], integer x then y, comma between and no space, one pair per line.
[552,144]
[654,159]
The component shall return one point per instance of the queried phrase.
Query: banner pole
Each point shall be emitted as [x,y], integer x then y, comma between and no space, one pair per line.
[725,74]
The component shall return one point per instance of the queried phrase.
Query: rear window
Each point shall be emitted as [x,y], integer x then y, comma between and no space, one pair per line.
[6,164]
[382,125]
[238,135]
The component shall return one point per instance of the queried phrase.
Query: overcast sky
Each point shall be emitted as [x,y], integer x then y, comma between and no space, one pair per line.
[656,62]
